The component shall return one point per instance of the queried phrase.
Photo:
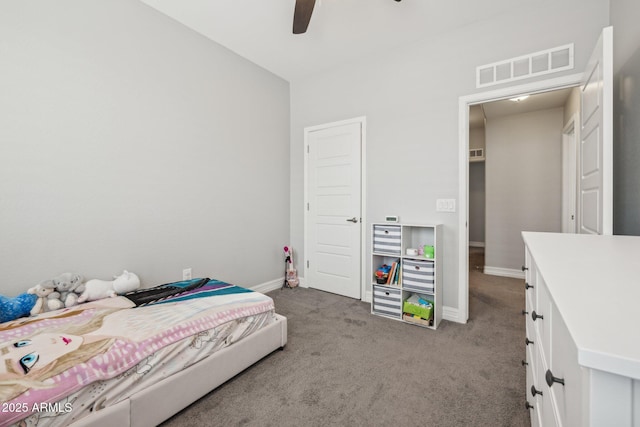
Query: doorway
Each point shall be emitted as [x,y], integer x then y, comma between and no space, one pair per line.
[595,164]
[462,313]
[516,184]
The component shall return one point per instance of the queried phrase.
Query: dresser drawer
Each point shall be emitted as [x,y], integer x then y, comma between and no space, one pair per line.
[531,348]
[530,305]
[387,301]
[529,277]
[542,318]
[418,275]
[565,369]
[543,396]
[386,239]
[532,406]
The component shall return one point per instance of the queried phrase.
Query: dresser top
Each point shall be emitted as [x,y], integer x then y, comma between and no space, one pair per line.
[594,281]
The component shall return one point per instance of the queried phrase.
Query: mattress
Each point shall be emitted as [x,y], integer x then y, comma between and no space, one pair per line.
[146,344]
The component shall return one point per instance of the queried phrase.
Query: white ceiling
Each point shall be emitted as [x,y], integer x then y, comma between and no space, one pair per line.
[505,107]
[539,101]
[340,30]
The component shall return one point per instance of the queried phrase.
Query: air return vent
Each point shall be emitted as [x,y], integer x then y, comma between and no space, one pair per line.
[476,154]
[535,64]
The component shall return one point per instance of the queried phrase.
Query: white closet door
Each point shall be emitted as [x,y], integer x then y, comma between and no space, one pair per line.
[334,194]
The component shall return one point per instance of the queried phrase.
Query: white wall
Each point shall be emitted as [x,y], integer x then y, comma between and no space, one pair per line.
[572,105]
[410,98]
[524,182]
[476,137]
[626,130]
[128,141]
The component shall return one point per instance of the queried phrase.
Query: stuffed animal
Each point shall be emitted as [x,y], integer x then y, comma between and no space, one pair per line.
[70,286]
[47,297]
[14,308]
[96,289]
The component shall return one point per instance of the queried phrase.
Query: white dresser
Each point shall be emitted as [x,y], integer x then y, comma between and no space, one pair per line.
[582,330]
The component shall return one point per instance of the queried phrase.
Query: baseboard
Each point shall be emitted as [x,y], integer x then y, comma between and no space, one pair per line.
[504,272]
[265,287]
[476,244]
[452,314]
[367,297]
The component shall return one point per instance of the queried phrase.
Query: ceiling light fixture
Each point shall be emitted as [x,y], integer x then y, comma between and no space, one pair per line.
[520,98]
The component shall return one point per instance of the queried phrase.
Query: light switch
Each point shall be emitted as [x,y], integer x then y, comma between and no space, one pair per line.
[445,205]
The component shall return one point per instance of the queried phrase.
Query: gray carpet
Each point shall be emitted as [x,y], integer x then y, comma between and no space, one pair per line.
[344,366]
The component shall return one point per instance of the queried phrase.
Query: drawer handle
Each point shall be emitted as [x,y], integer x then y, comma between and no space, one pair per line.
[524,268]
[387,293]
[524,363]
[417,267]
[535,316]
[527,286]
[386,231]
[528,405]
[534,391]
[524,313]
[551,379]
[527,341]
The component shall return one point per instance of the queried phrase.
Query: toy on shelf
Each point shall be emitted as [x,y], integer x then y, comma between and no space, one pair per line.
[382,274]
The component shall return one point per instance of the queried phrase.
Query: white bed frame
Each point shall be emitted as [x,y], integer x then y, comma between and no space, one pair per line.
[155,404]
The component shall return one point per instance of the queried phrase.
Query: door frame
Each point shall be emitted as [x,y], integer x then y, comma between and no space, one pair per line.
[464,102]
[363,194]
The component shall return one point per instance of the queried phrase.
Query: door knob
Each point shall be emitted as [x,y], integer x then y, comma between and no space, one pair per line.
[551,379]
[535,316]
[354,219]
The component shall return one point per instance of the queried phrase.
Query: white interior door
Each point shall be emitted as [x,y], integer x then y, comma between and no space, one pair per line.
[334,209]
[595,183]
[569,179]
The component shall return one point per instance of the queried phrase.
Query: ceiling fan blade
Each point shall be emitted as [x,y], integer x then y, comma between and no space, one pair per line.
[302,15]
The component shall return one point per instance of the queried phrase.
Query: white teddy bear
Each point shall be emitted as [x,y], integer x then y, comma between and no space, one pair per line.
[48,297]
[96,289]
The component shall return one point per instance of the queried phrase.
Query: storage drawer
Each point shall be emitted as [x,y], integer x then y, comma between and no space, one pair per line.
[417,275]
[543,318]
[565,374]
[387,301]
[533,408]
[386,239]
[529,277]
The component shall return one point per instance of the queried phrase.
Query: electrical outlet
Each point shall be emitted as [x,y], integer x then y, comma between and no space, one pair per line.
[446,205]
[186,274]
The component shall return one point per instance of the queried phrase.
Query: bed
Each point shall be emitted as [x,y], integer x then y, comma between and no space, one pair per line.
[133,360]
